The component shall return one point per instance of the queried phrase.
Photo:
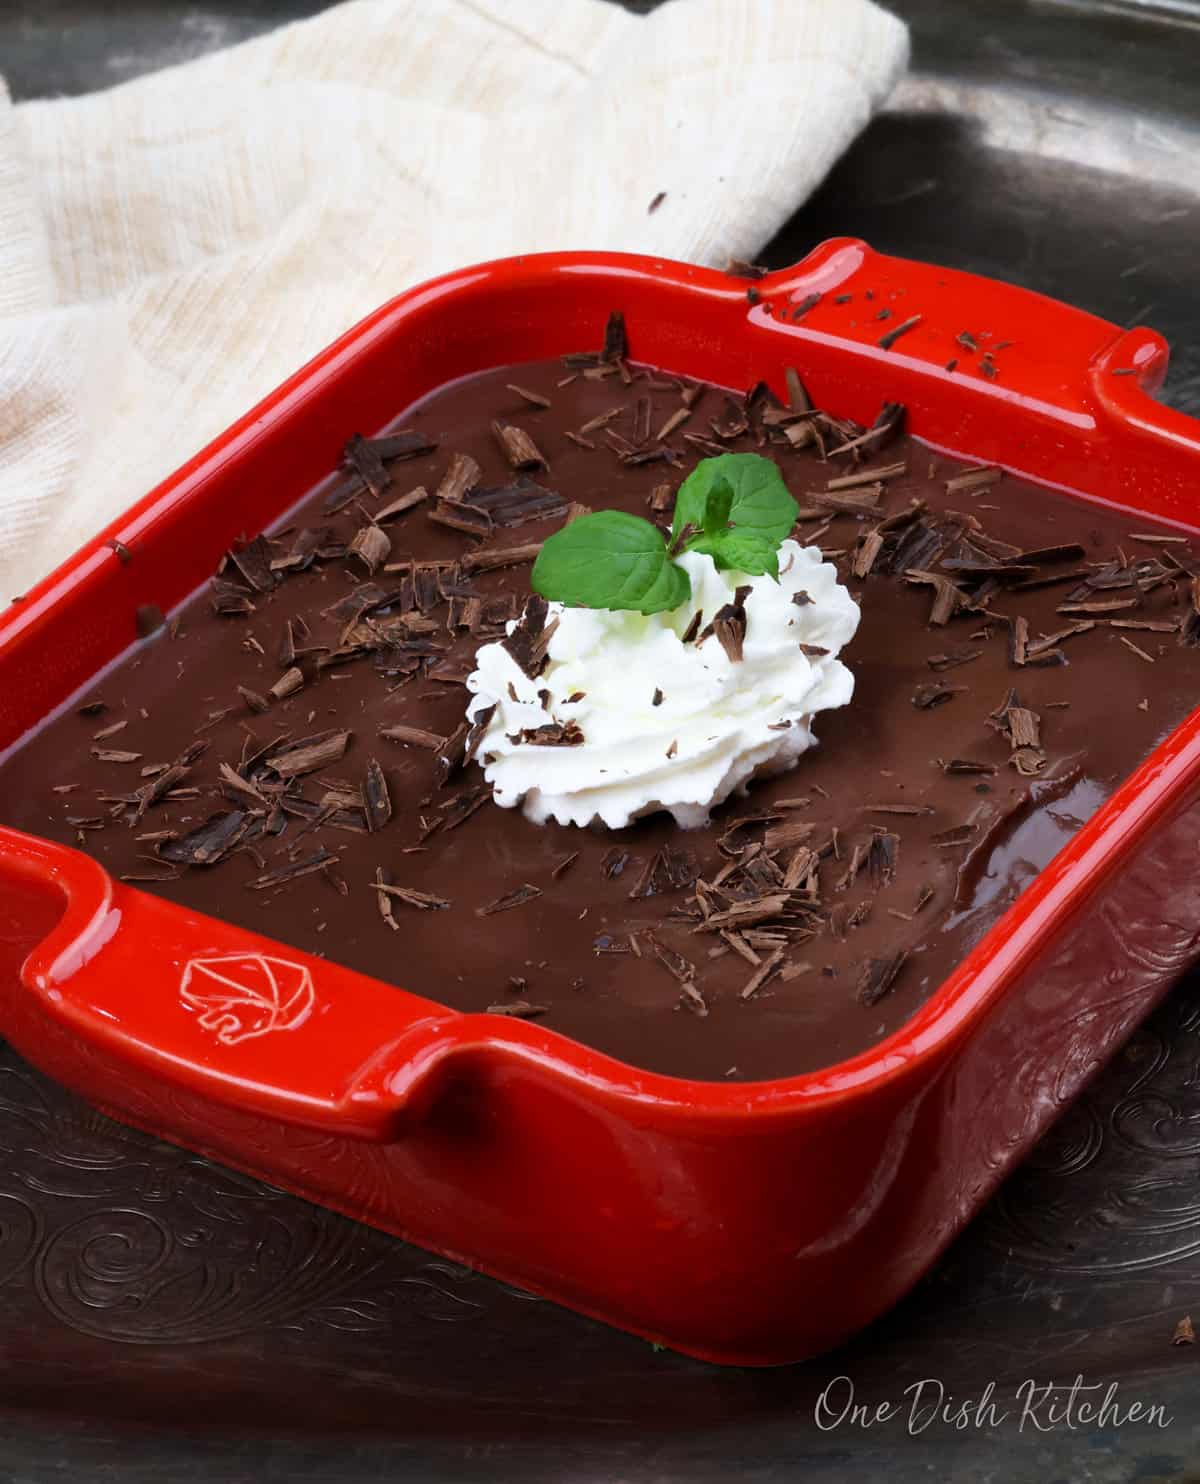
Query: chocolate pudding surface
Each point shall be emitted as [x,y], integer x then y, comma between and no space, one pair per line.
[972,751]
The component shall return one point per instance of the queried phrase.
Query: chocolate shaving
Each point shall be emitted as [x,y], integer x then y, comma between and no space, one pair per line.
[675,964]
[402,504]
[253,562]
[798,398]
[948,597]
[413,737]
[518,1009]
[736,421]
[553,734]
[423,901]
[867,476]
[729,624]
[462,518]
[1018,640]
[383,901]
[1024,726]
[452,754]
[459,808]
[157,790]
[405,443]
[882,854]
[208,844]
[959,834]
[746,914]
[478,728]
[1137,649]
[308,754]
[762,974]
[967,765]
[529,642]
[934,693]
[376,799]
[535,399]
[976,571]
[254,702]
[672,424]
[667,870]
[856,502]
[518,447]
[1149,625]
[1189,633]
[662,499]
[977,478]
[786,836]
[364,457]
[516,504]
[691,999]
[1039,646]
[867,552]
[693,628]
[616,345]
[515,898]
[952,658]
[887,341]
[284,874]
[368,456]
[858,859]
[229,601]
[461,476]
[492,559]
[342,494]
[877,977]
[370,548]
[887,425]
[360,600]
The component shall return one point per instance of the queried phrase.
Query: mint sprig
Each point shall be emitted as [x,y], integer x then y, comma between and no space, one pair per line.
[741,507]
[734,508]
[610,560]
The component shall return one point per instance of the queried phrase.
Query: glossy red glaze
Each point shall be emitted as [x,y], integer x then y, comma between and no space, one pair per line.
[750,1223]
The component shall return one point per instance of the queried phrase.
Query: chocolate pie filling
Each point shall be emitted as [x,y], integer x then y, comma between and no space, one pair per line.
[289,753]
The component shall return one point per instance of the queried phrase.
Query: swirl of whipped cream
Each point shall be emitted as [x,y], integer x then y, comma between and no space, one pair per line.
[646,721]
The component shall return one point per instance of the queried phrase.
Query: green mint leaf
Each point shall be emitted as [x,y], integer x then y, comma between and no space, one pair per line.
[741,509]
[717,506]
[610,560]
[749,554]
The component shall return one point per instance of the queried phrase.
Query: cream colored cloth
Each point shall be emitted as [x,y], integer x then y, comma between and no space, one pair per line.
[171,249]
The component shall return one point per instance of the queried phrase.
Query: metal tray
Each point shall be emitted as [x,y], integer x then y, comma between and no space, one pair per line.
[165,1318]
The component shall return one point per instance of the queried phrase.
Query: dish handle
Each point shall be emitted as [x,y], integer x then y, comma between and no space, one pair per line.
[180,1003]
[915,326]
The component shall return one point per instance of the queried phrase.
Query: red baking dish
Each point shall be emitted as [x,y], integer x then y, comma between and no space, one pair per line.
[748,1223]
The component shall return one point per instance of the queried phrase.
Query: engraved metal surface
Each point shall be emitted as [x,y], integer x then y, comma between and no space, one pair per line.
[245,1334]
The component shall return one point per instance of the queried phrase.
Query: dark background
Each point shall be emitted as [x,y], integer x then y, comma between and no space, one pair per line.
[161,1318]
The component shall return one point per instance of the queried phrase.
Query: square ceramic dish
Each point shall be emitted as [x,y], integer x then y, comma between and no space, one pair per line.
[750,1223]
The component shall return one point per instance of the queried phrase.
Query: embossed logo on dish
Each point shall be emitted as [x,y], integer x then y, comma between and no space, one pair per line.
[242,995]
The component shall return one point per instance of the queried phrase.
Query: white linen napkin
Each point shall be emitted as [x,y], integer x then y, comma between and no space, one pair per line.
[173,248]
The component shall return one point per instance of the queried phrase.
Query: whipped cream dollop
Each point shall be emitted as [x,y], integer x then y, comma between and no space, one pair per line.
[627,718]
